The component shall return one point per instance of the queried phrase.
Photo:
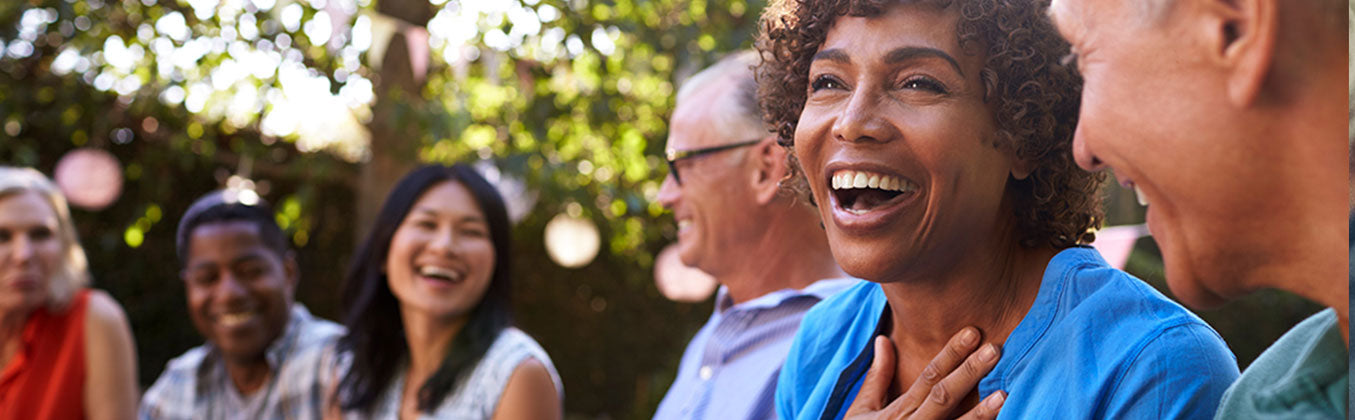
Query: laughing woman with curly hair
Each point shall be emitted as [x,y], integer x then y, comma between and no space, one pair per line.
[934,137]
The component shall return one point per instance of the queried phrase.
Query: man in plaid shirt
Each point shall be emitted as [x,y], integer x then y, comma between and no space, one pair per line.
[265,357]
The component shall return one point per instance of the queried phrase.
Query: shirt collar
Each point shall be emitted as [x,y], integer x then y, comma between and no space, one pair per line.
[1319,368]
[819,290]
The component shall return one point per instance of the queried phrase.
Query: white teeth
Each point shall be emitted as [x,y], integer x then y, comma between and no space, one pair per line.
[439,272]
[1143,198]
[683,224]
[846,180]
[231,320]
[860,181]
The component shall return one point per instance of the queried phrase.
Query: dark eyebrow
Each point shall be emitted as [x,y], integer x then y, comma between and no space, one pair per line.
[464,219]
[248,258]
[474,219]
[423,211]
[906,53]
[833,55]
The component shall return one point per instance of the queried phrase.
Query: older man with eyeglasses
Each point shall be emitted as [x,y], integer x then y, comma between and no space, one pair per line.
[765,247]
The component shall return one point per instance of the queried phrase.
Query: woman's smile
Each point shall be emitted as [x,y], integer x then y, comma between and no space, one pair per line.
[864,197]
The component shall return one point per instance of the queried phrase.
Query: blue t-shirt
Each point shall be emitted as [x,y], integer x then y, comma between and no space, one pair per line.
[1096,344]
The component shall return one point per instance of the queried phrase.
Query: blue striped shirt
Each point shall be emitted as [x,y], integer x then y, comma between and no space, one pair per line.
[730,367]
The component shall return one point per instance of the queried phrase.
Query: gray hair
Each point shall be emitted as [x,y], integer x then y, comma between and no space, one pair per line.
[742,116]
[73,272]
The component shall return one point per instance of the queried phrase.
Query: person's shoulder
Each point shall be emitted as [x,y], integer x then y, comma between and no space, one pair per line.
[103,308]
[836,323]
[105,320]
[1093,289]
[188,363]
[516,346]
[316,331]
[512,351]
[1303,374]
[1304,340]
[172,390]
[512,337]
[1179,371]
[1135,320]
[830,336]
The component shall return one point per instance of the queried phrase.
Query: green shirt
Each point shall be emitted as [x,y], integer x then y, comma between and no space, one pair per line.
[1302,376]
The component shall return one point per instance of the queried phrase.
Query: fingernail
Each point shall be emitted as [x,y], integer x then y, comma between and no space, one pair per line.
[988,353]
[969,337]
[995,401]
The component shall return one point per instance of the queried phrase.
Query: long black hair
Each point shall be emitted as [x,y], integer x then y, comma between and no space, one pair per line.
[376,335]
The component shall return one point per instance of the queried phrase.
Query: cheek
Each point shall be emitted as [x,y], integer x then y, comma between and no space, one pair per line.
[198,301]
[483,255]
[808,151]
[49,254]
[401,250]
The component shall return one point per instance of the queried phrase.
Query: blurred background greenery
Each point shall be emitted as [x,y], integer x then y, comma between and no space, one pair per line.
[322,104]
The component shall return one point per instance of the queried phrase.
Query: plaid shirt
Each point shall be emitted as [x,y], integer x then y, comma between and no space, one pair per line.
[193,385]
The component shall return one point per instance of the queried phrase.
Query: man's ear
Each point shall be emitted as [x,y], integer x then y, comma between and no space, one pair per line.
[771,169]
[1242,36]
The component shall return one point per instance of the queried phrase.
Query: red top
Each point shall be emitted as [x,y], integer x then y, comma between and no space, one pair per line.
[46,378]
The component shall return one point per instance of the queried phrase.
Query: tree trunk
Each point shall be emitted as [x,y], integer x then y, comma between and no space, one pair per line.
[395,134]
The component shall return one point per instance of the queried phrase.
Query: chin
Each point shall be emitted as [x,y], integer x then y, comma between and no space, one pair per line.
[241,351]
[686,256]
[1189,284]
[862,260]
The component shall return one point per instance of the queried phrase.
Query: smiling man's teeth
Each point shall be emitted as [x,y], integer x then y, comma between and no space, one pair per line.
[683,224]
[1143,198]
[846,180]
[439,272]
[233,319]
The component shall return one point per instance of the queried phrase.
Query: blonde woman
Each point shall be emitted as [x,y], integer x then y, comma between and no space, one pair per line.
[66,351]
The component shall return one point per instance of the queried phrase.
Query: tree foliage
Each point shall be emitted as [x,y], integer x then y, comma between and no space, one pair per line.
[571,97]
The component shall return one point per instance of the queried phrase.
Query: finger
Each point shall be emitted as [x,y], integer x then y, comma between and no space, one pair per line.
[945,395]
[988,409]
[956,350]
[881,374]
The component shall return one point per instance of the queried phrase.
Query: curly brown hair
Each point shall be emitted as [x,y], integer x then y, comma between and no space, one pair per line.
[1037,100]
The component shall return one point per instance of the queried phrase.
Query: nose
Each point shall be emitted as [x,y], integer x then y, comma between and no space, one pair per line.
[230,287]
[1082,152]
[859,120]
[443,240]
[669,192]
[21,249]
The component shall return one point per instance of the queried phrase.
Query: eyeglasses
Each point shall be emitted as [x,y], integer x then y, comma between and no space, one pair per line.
[675,156]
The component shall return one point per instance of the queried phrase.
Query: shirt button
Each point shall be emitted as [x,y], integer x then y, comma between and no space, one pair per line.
[706,373]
